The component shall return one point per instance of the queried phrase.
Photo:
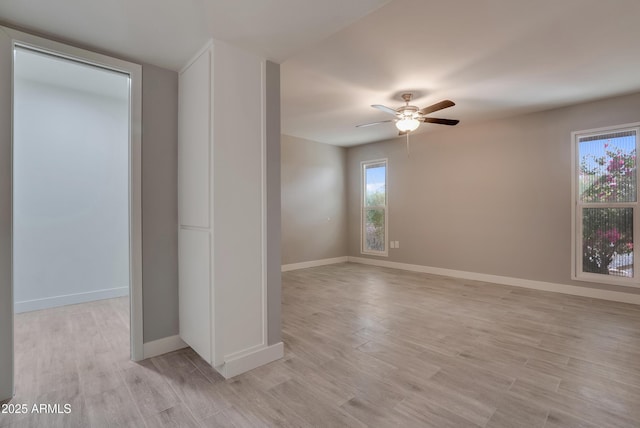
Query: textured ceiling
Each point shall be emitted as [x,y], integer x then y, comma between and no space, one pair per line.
[494,58]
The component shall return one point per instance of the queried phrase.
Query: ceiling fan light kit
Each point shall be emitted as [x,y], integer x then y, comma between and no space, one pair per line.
[408,118]
[407,124]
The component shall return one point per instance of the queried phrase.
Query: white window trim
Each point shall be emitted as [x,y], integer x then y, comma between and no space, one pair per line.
[363,166]
[576,206]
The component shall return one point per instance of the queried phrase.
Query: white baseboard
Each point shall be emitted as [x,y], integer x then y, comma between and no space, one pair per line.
[616,296]
[69,299]
[162,346]
[314,263]
[239,364]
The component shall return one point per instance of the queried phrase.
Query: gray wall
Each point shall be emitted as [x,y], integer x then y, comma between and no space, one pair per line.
[159,202]
[491,198]
[274,256]
[314,216]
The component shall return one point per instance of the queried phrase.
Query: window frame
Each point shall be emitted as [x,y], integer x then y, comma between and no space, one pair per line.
[364,207]
[577,206]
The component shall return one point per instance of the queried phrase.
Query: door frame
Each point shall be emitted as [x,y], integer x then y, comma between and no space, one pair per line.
[134,71]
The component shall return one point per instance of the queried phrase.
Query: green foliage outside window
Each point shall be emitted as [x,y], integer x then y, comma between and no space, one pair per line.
[607,232]
[375,222]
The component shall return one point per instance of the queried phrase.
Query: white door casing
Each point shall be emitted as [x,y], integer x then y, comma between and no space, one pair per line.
[10,38]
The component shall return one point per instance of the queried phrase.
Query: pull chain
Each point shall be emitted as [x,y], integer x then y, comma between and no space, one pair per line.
[408,144]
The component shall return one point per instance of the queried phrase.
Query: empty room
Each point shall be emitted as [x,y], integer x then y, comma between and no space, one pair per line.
[374,213]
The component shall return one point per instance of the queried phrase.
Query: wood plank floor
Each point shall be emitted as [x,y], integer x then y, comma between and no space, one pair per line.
[365,346]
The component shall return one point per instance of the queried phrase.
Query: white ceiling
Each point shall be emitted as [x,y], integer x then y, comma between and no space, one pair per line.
[278,29]
[168,33]
[494,58]
[165,33]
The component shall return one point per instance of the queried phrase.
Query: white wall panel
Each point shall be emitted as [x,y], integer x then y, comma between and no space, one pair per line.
[193,152]
[195,288]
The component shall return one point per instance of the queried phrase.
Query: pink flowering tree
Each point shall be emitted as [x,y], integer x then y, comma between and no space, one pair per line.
[607,232]
[600,246]
[611,177]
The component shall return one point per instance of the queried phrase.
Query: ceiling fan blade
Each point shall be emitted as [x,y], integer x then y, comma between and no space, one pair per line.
[437,106]
[450,122]
[403,132]
[373,123]
[384,109]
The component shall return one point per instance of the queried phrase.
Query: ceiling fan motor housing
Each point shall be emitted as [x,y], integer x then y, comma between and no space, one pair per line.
[408,111]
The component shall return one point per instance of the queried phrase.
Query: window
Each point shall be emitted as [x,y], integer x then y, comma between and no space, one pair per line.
[374,207]
[605,193]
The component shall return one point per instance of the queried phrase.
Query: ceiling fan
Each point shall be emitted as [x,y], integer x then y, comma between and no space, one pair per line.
[408,118]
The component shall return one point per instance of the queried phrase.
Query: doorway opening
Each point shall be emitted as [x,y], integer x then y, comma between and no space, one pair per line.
[76,203]
[70,182]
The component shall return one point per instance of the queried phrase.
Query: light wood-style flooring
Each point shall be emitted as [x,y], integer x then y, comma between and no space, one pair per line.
[365,346]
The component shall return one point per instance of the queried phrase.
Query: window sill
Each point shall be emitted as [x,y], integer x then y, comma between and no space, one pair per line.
[381,254]
[607,279]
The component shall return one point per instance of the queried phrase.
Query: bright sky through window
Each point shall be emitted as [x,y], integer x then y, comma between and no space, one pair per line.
[376,179]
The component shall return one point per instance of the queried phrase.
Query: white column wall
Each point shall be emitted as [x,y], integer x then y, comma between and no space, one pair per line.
[238,186]
[236,170]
